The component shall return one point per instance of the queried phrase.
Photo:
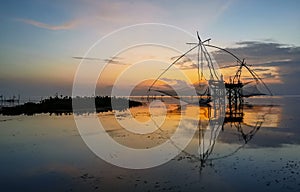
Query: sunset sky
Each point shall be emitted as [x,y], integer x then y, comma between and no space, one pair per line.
[42,41]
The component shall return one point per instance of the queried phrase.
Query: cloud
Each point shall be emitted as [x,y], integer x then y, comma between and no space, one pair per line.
[277,64]
[274,62]
[261,69]
[176,83]
[260,52]
[108,14]
[113,60]
[87,58]
[64,26]
[185,64]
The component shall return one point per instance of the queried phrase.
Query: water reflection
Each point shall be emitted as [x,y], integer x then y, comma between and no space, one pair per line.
[239,127]
[257,152]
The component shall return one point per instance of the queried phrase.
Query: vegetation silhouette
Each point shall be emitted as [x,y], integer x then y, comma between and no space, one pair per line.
[63,105]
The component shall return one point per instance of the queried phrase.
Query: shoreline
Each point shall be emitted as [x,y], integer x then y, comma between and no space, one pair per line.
[64,105]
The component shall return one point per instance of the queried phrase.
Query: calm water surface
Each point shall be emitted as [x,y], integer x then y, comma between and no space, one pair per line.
[260,152]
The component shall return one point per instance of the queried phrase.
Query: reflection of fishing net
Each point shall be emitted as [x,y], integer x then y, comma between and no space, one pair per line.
[237,134]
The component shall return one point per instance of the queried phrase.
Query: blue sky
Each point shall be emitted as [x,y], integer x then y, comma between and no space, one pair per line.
[38,38]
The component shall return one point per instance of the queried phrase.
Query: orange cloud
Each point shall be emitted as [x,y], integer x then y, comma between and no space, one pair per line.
[65,26]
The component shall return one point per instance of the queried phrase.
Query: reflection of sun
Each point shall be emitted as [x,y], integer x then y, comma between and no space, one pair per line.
[204,113]
[269,115]
[140,114]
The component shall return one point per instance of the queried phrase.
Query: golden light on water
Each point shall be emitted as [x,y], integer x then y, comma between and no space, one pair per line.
[269,115]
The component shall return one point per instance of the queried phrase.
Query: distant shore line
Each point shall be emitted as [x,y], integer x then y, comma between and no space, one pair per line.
[64,105]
